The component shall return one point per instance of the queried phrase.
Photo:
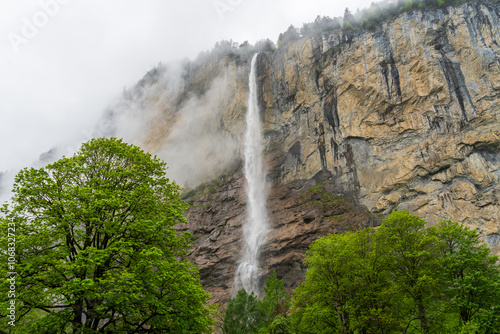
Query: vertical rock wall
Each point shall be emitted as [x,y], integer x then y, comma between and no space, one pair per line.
[356,124]
[405,118]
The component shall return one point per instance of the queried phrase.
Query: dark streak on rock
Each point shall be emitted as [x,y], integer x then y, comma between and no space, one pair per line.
[296,152]
[390,74]
[321,146]
[456,82]
[335,150]
[330,110]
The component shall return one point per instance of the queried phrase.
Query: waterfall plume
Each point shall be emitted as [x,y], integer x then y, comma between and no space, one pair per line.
[255,225]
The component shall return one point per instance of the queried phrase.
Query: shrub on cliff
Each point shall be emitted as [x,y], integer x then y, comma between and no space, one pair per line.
[94,248]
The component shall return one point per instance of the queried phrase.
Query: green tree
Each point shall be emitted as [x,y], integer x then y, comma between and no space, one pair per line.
[244,314]
[401,278]
[414,266]
[96,247]
[276,304]
[472,275]
[346,289]
[264,45]
[408,5]
[348,19]
[291,34]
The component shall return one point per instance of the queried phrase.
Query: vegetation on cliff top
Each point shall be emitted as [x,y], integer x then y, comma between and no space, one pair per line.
[366,19]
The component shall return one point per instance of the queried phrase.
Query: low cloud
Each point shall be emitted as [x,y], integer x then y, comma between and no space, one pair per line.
[184,129]
[198,147]
[64,61]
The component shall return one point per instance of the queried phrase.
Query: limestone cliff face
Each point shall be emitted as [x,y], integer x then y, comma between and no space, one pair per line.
[356,124]
[408,117]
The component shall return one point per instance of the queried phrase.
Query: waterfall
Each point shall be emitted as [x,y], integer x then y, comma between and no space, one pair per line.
[255,226]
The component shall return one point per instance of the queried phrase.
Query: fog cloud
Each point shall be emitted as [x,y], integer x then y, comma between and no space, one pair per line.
[182,129]
[60,68]
[196,147]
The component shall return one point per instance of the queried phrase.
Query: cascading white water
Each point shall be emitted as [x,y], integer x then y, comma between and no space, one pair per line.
[255,226]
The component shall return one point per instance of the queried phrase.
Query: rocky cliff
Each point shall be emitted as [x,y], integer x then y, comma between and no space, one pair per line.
[356,124]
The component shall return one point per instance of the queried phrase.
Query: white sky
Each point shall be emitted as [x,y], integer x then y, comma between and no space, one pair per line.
[82,55]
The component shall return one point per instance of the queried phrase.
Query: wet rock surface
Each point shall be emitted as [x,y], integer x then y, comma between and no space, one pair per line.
[299,212]
[356,124]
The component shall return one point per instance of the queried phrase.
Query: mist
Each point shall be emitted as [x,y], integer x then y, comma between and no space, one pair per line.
[65,63]
[183,130]
[196,149]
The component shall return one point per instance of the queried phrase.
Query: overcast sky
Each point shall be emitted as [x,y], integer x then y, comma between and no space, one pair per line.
[63,61]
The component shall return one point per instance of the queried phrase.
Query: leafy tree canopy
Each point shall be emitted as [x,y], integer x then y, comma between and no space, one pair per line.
[96,250]
[247,314]
[276,304]
[244,314]
[401,278]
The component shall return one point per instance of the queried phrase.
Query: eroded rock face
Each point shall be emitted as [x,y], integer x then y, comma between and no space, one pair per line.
[299,212]
[356,124]
[408,116]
